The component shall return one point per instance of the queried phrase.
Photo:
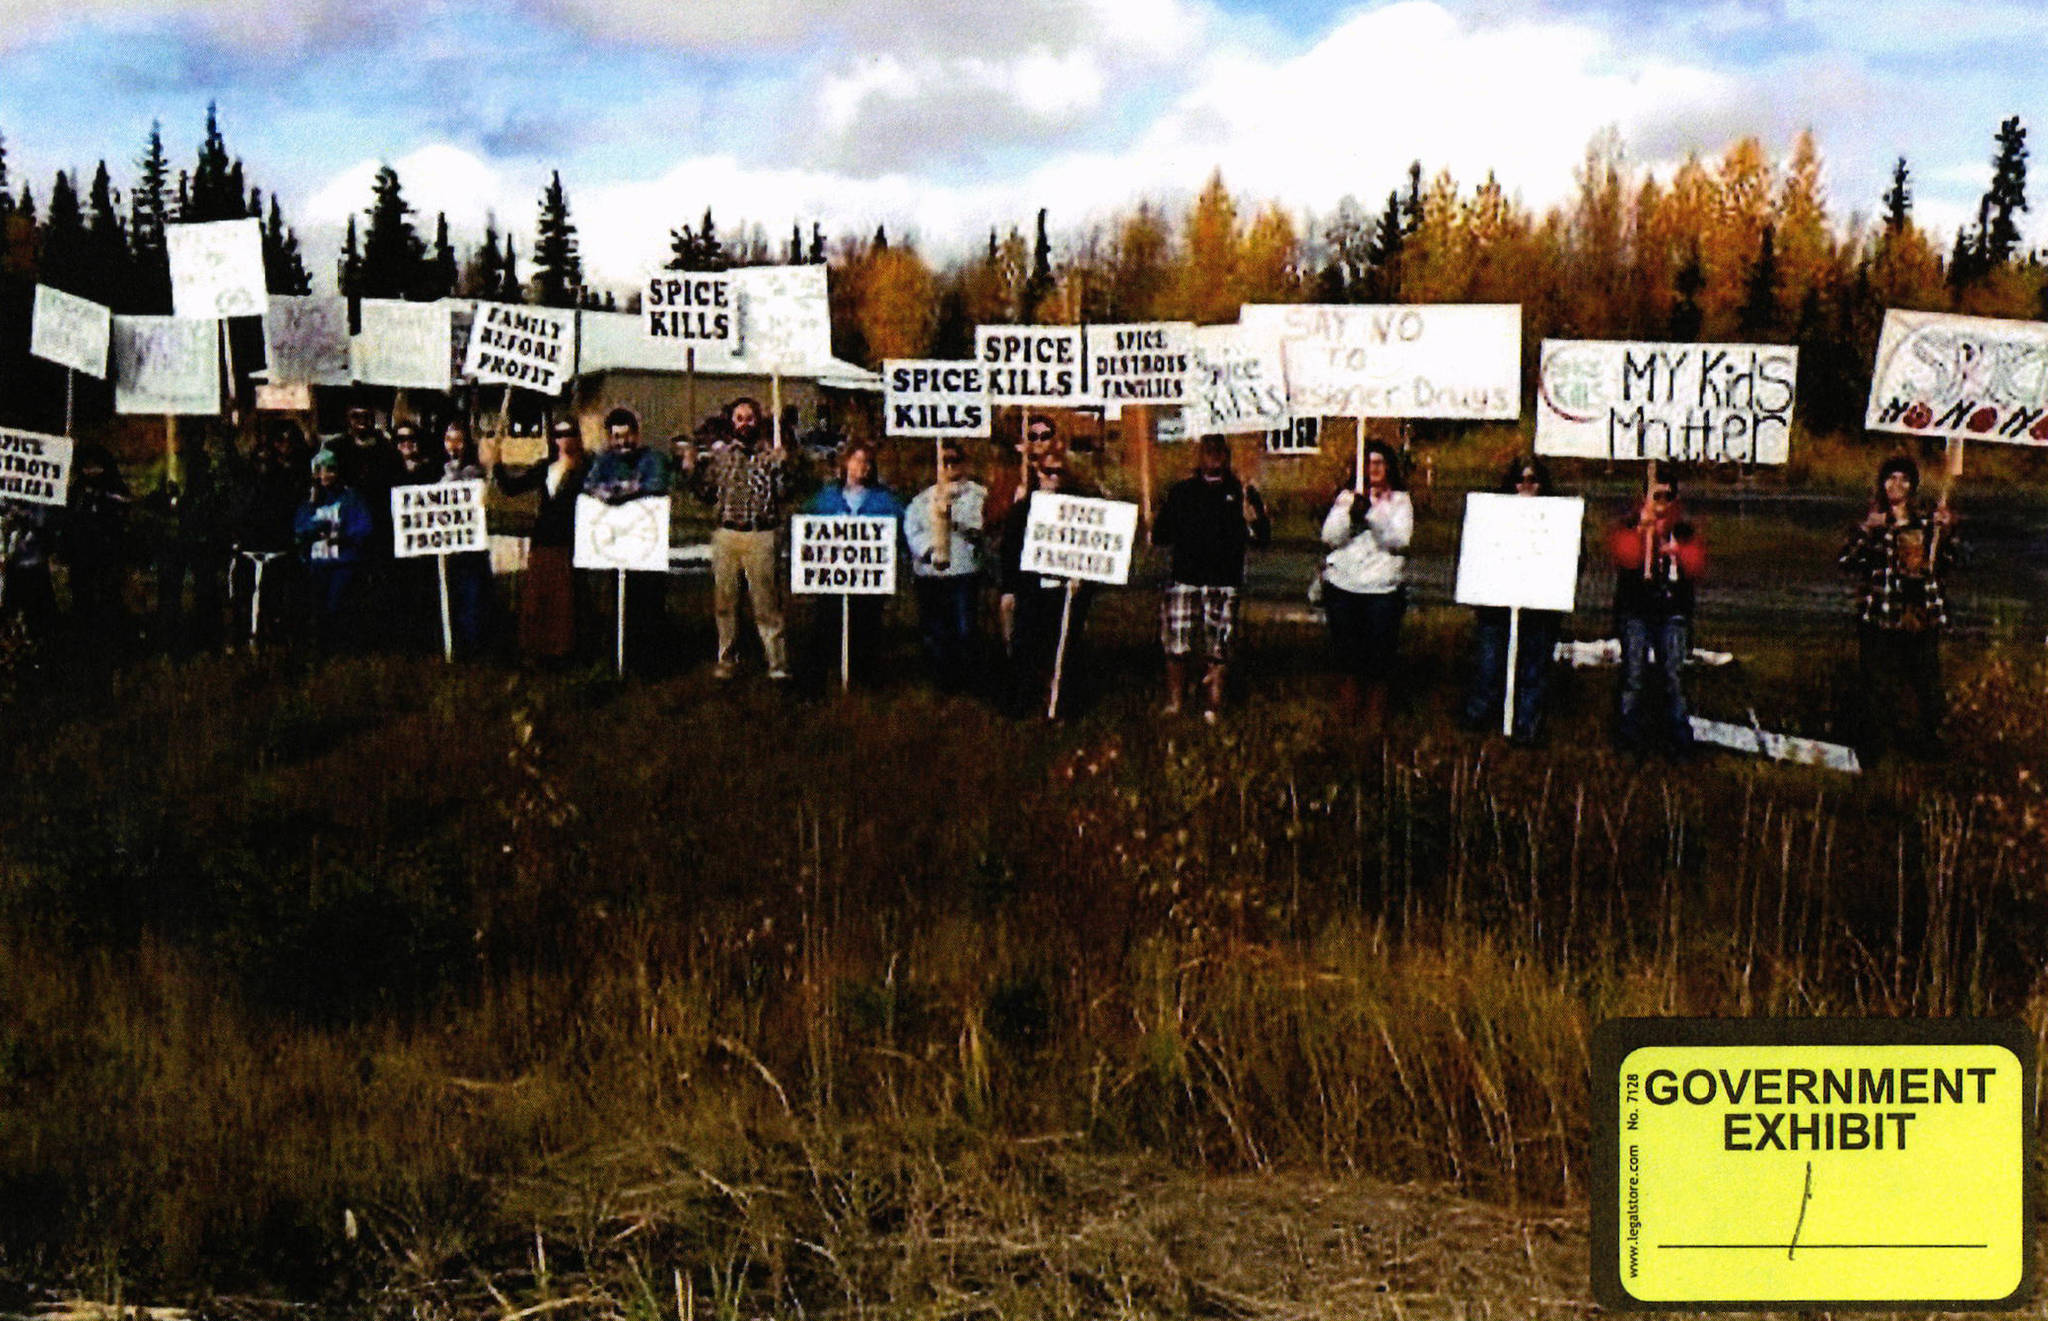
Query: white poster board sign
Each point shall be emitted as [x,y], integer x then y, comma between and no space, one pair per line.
[403,344]
[461,325]
[216,269]
[1240,384]
[1520,550]
[306,340]
[934,397]
[34,468]
[691,308]
[1147,363]
[849,554]
[164,365]
[1696,403]
[785,318]
[442,518]
[1971,377]
[71,331]
[524,346]
[1459,360]
[1034,364]
[1078,536]
[631,535]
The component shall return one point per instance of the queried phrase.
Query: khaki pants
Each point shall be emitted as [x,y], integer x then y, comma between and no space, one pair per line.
[752,554]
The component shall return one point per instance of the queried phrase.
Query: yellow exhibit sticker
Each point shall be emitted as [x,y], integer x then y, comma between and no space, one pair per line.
[1817,1162]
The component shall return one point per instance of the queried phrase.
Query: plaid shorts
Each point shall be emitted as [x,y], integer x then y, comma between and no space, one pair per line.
[1186,607]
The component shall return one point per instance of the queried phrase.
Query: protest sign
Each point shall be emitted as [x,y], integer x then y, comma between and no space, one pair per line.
[1079,537]
[165,365]
[306,340]
[1239,384]
[690,308]
[1970,378]
[297,398]
[1402,360]
[934,397]
[1520,551]
[1033,364]
[1150,363]
[785,320]
[461,326]
[216,269]
[850,554]
[1305,437]
[34,468]
[524,346]
[403,344]
[1700,403]
[71,331]
[632,535]
[442,518]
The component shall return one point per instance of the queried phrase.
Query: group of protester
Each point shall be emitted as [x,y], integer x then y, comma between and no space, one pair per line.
[254,544]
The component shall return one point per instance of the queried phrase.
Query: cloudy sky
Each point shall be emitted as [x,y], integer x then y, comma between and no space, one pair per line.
[942,117]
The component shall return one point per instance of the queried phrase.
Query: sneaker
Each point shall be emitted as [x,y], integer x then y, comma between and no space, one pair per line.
[780,676]
[724,671]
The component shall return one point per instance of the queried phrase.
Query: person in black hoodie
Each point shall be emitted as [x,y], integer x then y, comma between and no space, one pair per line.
[1210,520]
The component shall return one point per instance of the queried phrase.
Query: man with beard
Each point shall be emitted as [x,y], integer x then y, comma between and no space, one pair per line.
[747,481]
[625,471]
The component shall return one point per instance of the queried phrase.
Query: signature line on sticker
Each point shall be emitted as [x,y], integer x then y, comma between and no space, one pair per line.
[1817,1247]
[1804,1198]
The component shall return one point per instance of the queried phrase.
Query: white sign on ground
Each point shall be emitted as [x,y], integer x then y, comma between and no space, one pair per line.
[71,331]
[216,269]
[1398,360]
[1034,364]
[1520,550]
[1149,363]
[441,518]
[165,365]
[403,344]
[785,318]
[524,346]
[1971,377]
[852,554]
[306,340]
[934,397]
[631,535]
[691,308]
[1078,536]
[1710,403]
[1240,383]
[34,467]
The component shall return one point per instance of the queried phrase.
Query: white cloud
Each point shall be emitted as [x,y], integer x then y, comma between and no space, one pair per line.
[434,178]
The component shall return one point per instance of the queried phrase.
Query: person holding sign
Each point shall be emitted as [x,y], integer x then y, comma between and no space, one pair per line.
[469,572]
[1209,519]
[859,491]
[1525,476]
[547,599]
[1035,601]
[1659,557]
[943,530]
[747,481]
[334,530]
[626,471]
[412,605]
[1898,553]
[1364,583]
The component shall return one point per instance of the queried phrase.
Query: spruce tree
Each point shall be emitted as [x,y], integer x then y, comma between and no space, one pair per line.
[510,289]
[106,242]
[1898,199]
[284,268]
[1040,285]
[1686,316]
[215,188]
[438,271]
[817,244]
[348,274]
[485,273]
[64,263]
[557,269]
[1759,315]
[392,252]
[2008,193]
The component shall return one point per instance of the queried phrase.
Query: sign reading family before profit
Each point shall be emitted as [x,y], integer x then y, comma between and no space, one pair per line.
[1812,1163]
[1080,537]
[846,554]
[440,518]
[524,346]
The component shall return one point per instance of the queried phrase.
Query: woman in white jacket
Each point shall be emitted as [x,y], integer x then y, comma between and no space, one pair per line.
[1364,592]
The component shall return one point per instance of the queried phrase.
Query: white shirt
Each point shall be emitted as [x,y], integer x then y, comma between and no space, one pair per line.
[1370,560]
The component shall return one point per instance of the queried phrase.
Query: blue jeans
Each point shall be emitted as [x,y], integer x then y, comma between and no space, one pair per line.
[945,618]
[1537,642]
[1643,726]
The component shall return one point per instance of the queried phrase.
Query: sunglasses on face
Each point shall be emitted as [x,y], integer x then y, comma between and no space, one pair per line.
[1661,497]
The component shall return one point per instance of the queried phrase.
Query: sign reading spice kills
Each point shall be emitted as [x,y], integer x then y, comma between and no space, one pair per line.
[1811,1163]
[34,468]
[523,346]
[690,308]
[1078,536]
[443,518]
[1034,364]
[934,397]
[847,554]
[1965,376]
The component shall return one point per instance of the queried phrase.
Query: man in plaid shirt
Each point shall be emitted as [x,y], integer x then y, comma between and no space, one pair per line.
[746,479]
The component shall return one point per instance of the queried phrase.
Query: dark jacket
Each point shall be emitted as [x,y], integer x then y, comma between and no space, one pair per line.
[1667,591]
[555,523]
[1203,521]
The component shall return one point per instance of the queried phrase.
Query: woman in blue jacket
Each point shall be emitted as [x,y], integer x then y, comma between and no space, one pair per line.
[859,490]
[333,529]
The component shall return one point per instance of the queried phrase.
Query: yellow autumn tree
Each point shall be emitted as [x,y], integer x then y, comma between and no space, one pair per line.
[1438,256]
[894,303]
[1805,246]
[1269,261]
[1141,265]
[1206,284]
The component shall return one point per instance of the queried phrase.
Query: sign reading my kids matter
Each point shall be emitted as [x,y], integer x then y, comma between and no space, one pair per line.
[1080,537]
[1973,378]
[1697,403]
[1034,364]
[847,554]
[690,308]
[934,397]
[439,518]
[1400,360]
[524,346]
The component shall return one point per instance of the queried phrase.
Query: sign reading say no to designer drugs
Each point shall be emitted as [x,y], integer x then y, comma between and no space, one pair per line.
[1077,536]
[850,554]
[444,518]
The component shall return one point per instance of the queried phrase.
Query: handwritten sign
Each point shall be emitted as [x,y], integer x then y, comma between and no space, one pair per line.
[1802,1164]
[165,365]
[34,468]
[216,269]
[1150,363]
[1239,385]
[632,535]
[1033,364]
[71,331]
[690,307]
[1076,536]
[524,346]
[1401,360]
[306,340]
[1972,377]
[1520,551]
[1711,403]
[851,554]
[443,518]
[785,319]
[403,344]
[934,397]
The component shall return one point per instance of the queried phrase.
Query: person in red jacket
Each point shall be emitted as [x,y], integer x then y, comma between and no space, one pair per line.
[1659,557]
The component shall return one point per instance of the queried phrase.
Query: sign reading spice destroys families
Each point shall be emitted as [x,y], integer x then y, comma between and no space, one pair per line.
[34,468]
[1078,536]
